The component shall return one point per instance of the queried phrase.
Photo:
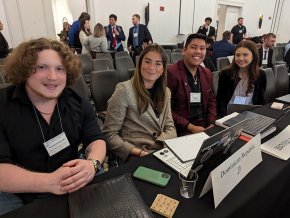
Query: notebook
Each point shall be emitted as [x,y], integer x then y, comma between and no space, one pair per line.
[215,146]
[257,122]
[186,147]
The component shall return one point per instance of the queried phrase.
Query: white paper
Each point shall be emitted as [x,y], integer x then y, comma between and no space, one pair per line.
[279,146]
[186,147]
[228,174]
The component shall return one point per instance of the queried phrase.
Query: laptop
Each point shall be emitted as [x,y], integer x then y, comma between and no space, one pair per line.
[257,122]
[214,147]
[284,99]
[239,108]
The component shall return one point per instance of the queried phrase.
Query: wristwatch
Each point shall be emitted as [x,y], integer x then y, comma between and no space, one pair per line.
[97,164]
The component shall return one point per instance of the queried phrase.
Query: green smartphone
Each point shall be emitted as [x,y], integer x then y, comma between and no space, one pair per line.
[152,176]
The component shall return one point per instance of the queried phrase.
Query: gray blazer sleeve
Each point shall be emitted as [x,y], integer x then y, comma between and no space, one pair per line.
[116,113]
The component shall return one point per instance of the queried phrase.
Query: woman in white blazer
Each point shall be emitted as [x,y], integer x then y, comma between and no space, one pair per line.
[139,112]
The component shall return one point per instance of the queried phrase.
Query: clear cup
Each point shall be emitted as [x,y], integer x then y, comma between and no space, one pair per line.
[187,184]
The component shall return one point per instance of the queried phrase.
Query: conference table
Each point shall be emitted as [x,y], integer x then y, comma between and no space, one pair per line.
[264,192]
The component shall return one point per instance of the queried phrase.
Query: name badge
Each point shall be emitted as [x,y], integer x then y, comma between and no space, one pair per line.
[135,35]
[240,31]
[195,97]
[240,100]
[265,61]
[56,144]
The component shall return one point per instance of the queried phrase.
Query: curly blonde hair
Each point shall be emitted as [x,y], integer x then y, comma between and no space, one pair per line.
[21,63]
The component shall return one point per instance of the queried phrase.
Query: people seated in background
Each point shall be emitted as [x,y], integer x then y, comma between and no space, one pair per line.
[137,33]
[74,39]
[266,51]
[287,47]
[208,63]
[287,54]
[207,29]
[257,40]
[223,48]
[44,125]
[193,101]
[97,42]
[139,114]
[115,34]
[85,32]
[4,47]
[242,82]
[238,32]
[63,35]
[137,51]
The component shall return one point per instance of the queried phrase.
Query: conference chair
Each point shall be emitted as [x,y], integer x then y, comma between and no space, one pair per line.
[123,66]
[86,66]
[270,92]
[121,54]
[80,86]
[4,85]
[102,64]
[177,50]
[102,56]
[103,84]
[215,77]
[222,63]
[278,54]
[168,53]
[282,79]
[175,57]
[2,79]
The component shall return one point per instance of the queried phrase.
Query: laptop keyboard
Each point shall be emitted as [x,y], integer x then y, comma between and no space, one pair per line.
[167,157]
[257,124]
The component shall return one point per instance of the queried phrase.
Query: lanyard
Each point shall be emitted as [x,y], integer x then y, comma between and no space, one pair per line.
[40,124]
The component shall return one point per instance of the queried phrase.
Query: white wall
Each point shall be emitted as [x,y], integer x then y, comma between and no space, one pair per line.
[163,25]
[23,24]
[5,30]
[253,9]
[20,23]
[283,33]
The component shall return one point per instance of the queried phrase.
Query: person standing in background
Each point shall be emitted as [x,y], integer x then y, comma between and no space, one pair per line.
[115,34]
[4,47]
[74,39]
[137,33]
[238,32]
[207,29]
[97,42]
[84,33]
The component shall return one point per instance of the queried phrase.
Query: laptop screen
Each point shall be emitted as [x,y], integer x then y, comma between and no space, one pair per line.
[217,146]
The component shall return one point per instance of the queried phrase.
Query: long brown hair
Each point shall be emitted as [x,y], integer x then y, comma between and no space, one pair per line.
[253,68]
[142,95]
[86,31]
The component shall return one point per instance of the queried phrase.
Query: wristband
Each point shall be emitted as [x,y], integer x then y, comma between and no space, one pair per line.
[140,152]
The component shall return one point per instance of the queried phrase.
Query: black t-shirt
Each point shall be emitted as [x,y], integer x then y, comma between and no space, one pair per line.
[20,135]
[238,33]
[196,109]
